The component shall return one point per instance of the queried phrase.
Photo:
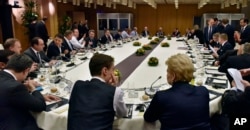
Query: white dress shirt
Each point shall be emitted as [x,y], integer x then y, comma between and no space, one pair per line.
[118,103]
[125,34]
[77,44]
[133,33]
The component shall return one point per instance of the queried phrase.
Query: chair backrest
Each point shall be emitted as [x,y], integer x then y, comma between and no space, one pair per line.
[1,46]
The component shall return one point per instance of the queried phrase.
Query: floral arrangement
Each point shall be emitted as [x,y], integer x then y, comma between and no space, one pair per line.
[30,13]
[153,61]
[149,37]
[118,74]
[136,44]
[147,47]
[164,44]
[140,52]
[161,36]
[157,39]
[153,42]
[169,37]
[65,24]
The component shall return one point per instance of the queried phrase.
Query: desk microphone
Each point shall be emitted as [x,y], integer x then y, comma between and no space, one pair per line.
[151,91]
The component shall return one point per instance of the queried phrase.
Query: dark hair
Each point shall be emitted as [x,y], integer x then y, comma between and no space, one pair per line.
[9,43]
[119,30]
[4,54]
[68,32]
[98,62]
[245,20]
[19,63]
[225,21]
[215,19]
[35,41]
[59,36]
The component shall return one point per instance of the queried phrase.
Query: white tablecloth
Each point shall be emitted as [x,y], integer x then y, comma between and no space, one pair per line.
[142,77]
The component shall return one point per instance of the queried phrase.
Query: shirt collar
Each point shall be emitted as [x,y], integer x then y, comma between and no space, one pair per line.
[96,77]
[34,50]
[223,43]
[7,71]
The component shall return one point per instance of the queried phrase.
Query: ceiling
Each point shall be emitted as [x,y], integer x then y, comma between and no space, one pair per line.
[179,1]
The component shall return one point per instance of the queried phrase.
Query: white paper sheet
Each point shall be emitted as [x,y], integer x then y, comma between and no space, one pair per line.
[212,49]
[237,78]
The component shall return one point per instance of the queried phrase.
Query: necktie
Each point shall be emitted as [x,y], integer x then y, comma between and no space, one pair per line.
[242,30]
[209,33]
[39,57]
[70,46]
[146,33]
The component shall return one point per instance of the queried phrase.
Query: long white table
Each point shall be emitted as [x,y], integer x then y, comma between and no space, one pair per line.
[142,77]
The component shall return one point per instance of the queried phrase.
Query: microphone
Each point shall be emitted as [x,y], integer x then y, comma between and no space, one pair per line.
[151,91]
[151,87]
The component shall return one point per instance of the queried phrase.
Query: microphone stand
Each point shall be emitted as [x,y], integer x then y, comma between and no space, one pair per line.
[151,91]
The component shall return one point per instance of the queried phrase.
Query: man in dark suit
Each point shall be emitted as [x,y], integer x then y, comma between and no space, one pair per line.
[41,31]
[107,37]
[176,33]
[209,30]
[238,62]
[67,45]
[215,43]
[245,31]
[55,49]
[93,104]
[225,46]
[145,32]
[4,57]
[196,32]
[18,99]
[86,28]
[160,32]
[91,41]
[35,52]
[118,36]
[218,26]
[229,30]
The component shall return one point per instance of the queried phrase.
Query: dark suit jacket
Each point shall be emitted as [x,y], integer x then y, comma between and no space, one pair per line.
[105,39]
[199,34]
[94,42]
[144,34]
[16,103]
[29,52]
[229,30]
[65,46]
[207,39]
[91,106]
[118,36]
[237,62]
[176,34]
[236,103]
[215,44]
[159,33]
[183,106]
[245,35]
[227,46]
[53,51]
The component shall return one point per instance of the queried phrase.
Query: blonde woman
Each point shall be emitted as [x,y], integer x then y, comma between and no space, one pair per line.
[183,106]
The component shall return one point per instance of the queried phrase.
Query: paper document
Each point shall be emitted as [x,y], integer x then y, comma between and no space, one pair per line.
[237,78]
[212,49]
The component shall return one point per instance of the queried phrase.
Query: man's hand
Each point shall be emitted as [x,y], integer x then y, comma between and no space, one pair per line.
[49,98]
[216,63]
[66,51]
[215,55]
[34,67]
[30,84]
[245,72]
[52,62]
[245,83]
[114,80]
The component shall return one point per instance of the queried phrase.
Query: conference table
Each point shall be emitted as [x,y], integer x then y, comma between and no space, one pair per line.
[140,78]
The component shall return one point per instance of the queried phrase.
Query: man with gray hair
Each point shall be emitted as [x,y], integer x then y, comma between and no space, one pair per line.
[238,62]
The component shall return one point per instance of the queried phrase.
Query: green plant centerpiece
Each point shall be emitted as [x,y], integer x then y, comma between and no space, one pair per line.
[169,37]
[65,24]
[140,52]
[136,44]
[153,61]
[118,74]
[157,39]
[164,44]
[149,37]
[153,42]
[161,36]
[30,13]
[147,47]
